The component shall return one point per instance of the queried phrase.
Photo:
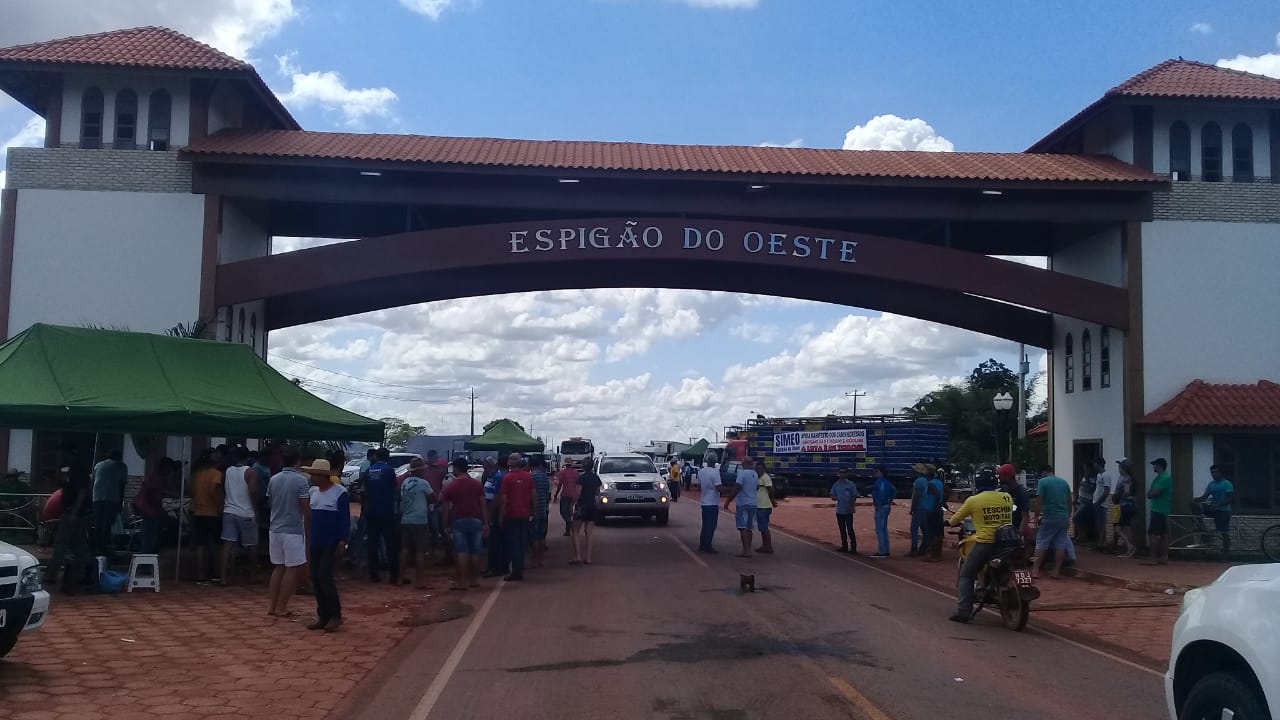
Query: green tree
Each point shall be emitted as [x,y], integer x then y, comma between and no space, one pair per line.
[971,417]
[399,432]
[491,423]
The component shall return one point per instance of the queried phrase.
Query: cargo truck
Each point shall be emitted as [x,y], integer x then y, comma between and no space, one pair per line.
[803,455]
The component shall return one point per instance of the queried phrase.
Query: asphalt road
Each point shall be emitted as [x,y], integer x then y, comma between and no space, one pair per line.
[653,630]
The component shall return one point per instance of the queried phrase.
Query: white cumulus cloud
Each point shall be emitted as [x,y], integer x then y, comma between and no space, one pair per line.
[1264,64]
[1201,28]
[798,142]
[890,132]
[235,27]
[434,8]
[328,91]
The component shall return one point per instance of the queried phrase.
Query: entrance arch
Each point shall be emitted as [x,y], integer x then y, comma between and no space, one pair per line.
[940,284]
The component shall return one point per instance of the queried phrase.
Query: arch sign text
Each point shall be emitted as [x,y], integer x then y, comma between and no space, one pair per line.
[692,238]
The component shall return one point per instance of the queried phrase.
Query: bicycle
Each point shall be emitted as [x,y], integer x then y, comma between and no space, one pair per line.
[1271,543]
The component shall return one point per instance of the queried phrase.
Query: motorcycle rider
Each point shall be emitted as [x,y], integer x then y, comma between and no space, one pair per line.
[989,508]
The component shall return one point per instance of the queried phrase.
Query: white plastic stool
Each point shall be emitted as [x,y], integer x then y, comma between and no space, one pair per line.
[102,566]
[151,579]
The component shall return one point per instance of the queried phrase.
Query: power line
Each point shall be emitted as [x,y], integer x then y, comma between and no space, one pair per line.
[354,377]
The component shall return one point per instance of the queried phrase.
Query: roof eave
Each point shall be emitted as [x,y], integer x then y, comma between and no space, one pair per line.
[257,85]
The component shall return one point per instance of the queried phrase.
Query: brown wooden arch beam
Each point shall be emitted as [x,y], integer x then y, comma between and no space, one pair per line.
[850,268]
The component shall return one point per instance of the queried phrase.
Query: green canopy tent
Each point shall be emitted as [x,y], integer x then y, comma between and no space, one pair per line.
[696,451]
[110,381]
[505,436]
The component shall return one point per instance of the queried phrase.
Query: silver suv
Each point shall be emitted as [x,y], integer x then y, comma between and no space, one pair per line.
[632,486]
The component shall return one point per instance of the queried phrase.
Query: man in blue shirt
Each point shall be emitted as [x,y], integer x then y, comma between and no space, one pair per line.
[745,492]
[935,499]
[381,498]
[845,493]
[330,507]
[919,518]
[492,481]
[1216,503]
[882,495]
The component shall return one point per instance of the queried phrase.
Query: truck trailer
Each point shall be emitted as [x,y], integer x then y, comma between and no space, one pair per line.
[803,455]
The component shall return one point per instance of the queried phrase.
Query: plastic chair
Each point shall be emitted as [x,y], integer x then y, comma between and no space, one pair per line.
[151,579]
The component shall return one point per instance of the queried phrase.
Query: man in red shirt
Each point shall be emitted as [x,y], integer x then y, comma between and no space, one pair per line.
[462,503]
[515,508]
[434,475]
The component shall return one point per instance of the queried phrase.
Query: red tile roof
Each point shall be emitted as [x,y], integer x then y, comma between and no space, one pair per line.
[1175,79]
[745,160]
[1202,404]
[148,47]
[1189,79]
[1041,429]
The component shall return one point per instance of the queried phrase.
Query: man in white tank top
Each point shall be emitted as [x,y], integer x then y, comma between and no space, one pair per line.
[238,518]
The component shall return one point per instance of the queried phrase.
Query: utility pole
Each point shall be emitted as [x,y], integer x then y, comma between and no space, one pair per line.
[473,412]
[1023,368]
[855,395]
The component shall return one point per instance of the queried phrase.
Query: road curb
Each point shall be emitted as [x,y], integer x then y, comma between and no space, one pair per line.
[1065,631]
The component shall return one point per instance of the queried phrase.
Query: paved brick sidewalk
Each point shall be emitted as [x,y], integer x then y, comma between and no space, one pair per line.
[1136,624]
[199,652]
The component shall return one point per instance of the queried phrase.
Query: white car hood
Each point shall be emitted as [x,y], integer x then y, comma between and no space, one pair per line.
[1245,574]
[14,555]
[630,477]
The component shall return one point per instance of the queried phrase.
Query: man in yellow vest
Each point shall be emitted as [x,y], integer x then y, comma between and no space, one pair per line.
[990,508]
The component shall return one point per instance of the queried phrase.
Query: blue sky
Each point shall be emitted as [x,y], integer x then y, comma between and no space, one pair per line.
[641,365]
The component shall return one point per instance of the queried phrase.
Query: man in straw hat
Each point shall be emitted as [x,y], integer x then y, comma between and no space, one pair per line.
[330,530]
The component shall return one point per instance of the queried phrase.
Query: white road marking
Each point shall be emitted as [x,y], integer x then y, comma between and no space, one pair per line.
[922,586]
[436,689]
[689,552]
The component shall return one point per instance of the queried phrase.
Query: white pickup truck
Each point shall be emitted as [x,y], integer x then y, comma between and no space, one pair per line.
[24,603]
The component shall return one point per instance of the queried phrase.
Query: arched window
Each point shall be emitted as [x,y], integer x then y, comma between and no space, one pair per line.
[1069,367]
[1180,150]
[91,118]
[159,111]
[253,330]
[1242,153]
[126,120]
[1086,361]
[1211,153]
[1104,350]
[226,321]
[241,324]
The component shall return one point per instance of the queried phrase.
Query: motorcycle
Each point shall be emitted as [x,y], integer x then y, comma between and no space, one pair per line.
[1005,581]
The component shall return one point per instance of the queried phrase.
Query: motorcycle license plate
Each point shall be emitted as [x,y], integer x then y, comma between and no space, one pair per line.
[1023,577]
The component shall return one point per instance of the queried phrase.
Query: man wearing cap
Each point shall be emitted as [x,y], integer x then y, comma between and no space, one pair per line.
[1161,497]
[416,497]
[1007,474]
[517,499]
[330,530]
[919,517]
[989,508]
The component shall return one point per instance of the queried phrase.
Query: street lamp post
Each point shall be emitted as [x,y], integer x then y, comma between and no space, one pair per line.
[715,432]
[1003,403]
[687,434]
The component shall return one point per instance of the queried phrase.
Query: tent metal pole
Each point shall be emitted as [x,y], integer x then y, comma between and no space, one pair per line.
[182,501]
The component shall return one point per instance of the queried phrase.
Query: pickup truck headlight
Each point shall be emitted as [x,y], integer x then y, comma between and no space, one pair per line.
[31,581]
